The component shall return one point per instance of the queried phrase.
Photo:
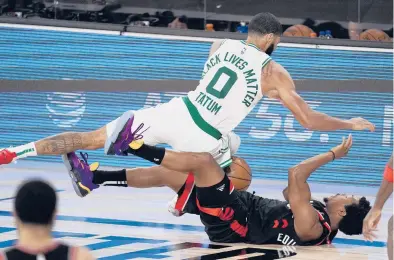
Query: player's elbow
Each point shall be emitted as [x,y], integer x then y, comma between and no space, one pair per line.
[306,122]
[285,193]
[293,171]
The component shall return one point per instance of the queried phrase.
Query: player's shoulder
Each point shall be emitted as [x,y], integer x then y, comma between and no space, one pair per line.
[82,253]
[274,67]
[276,72]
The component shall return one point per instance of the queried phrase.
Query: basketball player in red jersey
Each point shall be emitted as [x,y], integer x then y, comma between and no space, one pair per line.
[231,216]
[371,221]
[34,212]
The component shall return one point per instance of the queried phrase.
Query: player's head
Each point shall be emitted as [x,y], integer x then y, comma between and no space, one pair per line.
[350,211]
[35,204]
[264,30]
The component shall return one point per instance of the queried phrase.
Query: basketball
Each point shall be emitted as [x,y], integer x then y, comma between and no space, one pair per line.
[374,35]
[298,30]
[240,174]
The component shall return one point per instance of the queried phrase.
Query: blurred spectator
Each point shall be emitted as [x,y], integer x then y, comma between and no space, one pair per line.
[242,27]
[179,23]
[336,30]
[34,213]
[209,27]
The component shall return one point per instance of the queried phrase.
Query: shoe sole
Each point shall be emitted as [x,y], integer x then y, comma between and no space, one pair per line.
[73,178]
[120,127]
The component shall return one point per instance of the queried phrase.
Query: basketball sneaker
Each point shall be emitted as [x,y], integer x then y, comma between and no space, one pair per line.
[81,173]
[172,209]
[7,156]
[118,142]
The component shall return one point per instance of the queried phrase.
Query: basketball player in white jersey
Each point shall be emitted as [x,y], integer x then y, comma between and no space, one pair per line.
[236,76]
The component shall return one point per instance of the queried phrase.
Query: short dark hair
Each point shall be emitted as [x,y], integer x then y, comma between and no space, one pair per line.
[352,223]
[265,23]
[35,202]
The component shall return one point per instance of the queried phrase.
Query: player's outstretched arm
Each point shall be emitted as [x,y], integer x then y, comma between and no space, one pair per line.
[277,83]
[307,167]
[372,219]
[306,218]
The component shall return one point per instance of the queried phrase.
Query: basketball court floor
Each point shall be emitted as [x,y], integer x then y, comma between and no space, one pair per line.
[127,223]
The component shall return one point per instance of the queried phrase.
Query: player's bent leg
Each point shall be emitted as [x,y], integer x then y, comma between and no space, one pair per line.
[156,176]
[203,166]
[390,239]
[86,178]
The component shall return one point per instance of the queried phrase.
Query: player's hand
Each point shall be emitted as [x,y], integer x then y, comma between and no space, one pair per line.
[342,149]
[359,123]
[370,224]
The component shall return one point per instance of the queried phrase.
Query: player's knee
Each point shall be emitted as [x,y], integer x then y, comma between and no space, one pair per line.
[203,160]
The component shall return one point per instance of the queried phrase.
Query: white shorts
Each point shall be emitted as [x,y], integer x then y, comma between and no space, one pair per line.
[170,123]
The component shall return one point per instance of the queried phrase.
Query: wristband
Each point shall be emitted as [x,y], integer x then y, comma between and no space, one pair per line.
[333,155]
[388,174]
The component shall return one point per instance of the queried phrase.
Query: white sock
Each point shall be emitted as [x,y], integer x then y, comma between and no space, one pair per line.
[24,151]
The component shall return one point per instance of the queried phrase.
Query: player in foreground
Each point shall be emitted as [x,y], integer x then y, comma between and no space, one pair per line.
[35,212]
[236,76]
[231,216]
[371,221]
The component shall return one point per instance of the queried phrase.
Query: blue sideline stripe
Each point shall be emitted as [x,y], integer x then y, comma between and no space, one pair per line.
[132,223]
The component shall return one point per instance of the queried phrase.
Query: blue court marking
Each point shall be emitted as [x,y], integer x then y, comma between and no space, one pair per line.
[11,198]
[133,223]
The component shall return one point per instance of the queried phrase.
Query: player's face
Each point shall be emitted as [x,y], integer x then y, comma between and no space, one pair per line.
[340,201]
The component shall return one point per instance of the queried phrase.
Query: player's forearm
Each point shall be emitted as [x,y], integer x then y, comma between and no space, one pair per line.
[323,122]
[385,190]
[305,168]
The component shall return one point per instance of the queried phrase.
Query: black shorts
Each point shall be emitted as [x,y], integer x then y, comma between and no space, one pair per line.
[221,209]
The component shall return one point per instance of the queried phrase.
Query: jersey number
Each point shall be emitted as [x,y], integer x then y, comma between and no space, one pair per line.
[221,83]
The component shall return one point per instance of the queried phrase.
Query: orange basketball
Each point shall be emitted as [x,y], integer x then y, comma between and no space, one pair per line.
[374,35]
[241,174]
[298,30]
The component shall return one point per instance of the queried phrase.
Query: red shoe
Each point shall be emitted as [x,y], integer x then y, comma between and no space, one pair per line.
[6,156]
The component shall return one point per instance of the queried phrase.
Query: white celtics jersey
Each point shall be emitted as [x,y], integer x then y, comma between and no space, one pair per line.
[230,86]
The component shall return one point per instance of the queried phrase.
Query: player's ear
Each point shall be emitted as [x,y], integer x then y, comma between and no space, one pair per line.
[54,217]
[270,38]
[342,211]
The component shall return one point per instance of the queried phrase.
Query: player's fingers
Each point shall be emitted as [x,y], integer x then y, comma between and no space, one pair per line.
[348,141]
[375,225]
[369,125]
[368,237]
[372,127]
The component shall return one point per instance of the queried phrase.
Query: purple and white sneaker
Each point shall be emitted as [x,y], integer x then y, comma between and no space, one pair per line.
[118,142]
[80,173]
